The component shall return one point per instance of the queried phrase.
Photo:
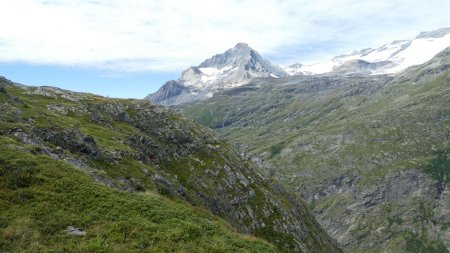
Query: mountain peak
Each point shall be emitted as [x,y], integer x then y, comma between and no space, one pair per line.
[241,45]
[238,55]
[235,67]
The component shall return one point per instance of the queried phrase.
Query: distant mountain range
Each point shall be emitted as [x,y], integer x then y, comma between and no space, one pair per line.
[387,59]
[239,65]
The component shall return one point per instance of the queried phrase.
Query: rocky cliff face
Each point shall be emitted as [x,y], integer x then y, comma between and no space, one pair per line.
[408,204]
[235,67]
[136,146]
[369,152]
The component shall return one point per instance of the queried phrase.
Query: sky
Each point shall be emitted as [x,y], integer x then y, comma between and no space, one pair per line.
[129,48]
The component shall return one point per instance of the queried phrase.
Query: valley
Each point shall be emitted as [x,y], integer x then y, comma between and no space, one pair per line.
[370,153]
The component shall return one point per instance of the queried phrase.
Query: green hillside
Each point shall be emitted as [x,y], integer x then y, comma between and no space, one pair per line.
[41,197]
[134,177]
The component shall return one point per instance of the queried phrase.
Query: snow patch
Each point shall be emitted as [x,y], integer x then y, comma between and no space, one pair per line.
[313,69]
[420,51]
[211,74]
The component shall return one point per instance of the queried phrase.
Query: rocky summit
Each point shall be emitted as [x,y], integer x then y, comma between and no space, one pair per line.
[235,67]
[84,173]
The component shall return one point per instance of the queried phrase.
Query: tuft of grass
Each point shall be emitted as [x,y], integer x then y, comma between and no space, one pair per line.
[415,243]
[276,149]
[439,166]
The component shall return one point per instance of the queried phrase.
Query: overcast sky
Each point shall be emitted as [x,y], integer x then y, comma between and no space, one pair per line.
[142,42]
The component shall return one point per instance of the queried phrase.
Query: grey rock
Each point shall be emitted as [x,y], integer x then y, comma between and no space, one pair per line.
[434,34]
[58,108]
[244,181]
[360,66]
[212,147]
[71,139]
[43,92]
[57,93]
[71,98]
[75,231]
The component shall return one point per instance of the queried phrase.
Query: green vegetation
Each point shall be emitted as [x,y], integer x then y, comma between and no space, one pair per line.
[276,149]
[420,244]
[129,173]
[439,166]
[41,196]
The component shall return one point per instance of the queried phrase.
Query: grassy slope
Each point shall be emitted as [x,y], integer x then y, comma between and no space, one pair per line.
[310,133]
[137,147]
[316,129]
[40,197]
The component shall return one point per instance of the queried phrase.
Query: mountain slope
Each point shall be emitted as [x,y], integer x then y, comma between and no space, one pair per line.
[235,67]
[370,153]
[387,59]
[135,151]
[42,197]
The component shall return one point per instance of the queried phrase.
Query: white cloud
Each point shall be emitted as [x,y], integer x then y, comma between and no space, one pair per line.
[169,35]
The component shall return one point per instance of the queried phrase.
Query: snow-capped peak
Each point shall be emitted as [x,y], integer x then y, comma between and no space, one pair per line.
[234,67]
[387,59]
